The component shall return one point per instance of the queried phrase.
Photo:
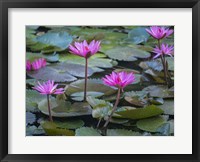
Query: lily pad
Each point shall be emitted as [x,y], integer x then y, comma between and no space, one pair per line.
[59,39]
[49,73]
[139,113]
[161,91]
[49,57]
[122,132]
[168,107]
[151,124]
[32,100]
[87,131]
[30,118]
[157,64]
[126,53]
[97,60]
[138,35]
[137,98]
[65,108]
[95,85]
[52,129]
[78,96]
[33,131]
[101,108]
[70,124]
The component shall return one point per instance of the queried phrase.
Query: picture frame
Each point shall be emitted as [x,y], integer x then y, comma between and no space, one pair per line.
[4,71]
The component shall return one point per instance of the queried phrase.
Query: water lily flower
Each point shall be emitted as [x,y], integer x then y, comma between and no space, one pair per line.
[119,80]
[159,32]
[163,50]
[85,50]
[48,88]
[38,63]
[28,65]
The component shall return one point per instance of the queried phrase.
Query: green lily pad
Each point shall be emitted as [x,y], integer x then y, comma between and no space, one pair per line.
[30,118]
[95,85]
[122,132]
[151,124]
[60,39]
[101,108]
[156,101]
[138,35]
[161,91]
[32,100]
[87,131]
[49,57]
[33,130]
[126,53]
[52,129]
[168,107]
[78,96]
[97,60]
[65,108]
[139,113]
[70,124]
[157,64]
[49,73]
[137,98]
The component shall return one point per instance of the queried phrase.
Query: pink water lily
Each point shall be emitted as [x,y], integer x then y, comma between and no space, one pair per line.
[28,65]
[119,80]
[159,32]
[48,88]
[84,49]
[163,50]
[38,63]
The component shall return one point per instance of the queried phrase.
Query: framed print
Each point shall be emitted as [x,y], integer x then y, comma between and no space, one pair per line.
[100,81]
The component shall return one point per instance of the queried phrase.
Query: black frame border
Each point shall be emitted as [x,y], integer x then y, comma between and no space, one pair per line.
[6,4]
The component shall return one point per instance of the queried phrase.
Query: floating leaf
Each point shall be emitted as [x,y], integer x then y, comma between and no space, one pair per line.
[122,132]
[49,57]
[65,108]
[30,118]
[60,39]
[97,60]
[168,107]
[101,108]
[78,96]
[137,98]
[52,129]
[156,101]
[164,129]
[138,35]
[33,130]
[161,91]
[139,113]
[126,53]
[93,85]
[70,124]
[87,131]
[157,64]
[32,100]
[151,124]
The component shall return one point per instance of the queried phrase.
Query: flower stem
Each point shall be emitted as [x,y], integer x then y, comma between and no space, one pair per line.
[164,63]
[114,108]
[49,109]
[86,73]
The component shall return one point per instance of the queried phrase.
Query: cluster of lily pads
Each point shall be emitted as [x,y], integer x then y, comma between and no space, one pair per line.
[99,81]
